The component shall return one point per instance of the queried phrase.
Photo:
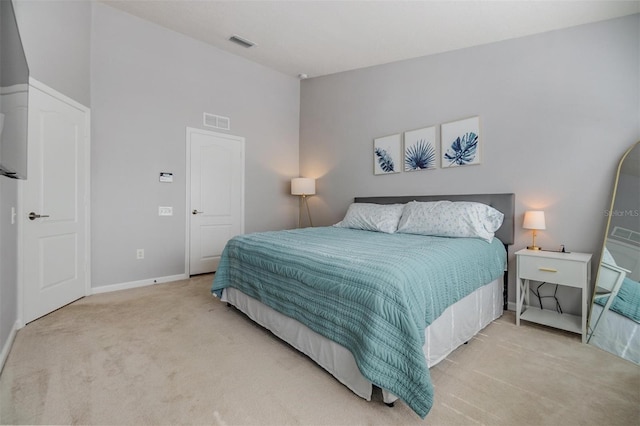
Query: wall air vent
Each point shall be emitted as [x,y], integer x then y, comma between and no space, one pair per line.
[627,235]
[216,121]
[241,41]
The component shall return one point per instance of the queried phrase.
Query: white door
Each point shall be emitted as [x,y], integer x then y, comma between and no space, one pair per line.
[216,207]
[54,245]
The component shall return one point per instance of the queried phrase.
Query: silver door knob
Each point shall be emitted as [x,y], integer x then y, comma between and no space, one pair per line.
[196,212]
[34,216]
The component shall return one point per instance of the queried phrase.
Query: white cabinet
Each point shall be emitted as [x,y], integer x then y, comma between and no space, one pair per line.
[566,269]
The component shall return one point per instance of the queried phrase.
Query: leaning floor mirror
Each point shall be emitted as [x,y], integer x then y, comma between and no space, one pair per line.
[614,321]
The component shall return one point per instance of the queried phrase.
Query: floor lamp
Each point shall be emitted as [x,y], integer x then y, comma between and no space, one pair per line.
[303,187]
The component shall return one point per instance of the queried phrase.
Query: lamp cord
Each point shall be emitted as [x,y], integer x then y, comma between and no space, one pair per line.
[536,292]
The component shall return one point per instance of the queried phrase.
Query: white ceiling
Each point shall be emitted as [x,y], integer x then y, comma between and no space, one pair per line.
[324,37]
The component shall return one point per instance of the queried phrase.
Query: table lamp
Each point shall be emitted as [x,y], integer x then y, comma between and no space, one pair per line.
[534,220]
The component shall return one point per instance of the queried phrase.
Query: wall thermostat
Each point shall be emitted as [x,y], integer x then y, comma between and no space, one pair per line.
[166,177]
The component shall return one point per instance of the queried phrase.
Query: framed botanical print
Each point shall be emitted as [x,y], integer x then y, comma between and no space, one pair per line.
[387,155]
[460,143]
[420,149]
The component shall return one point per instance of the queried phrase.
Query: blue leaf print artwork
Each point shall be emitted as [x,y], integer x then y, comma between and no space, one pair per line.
[420,156]
[463,149]
[384,160]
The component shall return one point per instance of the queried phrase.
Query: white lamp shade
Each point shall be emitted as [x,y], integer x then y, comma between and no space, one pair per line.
[534,219]
[303,186]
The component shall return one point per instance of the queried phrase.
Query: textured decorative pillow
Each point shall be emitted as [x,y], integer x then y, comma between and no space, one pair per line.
[450,219]
[372,217]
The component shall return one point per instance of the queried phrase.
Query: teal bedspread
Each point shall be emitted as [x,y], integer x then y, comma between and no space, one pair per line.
[371,292]
[627,301]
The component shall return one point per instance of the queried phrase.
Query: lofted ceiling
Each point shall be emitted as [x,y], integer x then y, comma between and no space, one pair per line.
[317,38]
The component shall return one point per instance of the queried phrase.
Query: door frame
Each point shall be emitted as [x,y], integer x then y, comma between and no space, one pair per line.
[189,132]
[35,84]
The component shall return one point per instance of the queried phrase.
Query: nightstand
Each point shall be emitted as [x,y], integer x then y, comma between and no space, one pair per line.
[566,269]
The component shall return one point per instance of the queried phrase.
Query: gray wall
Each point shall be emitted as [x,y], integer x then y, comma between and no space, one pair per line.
[557,111]
[147,85]
[56,37]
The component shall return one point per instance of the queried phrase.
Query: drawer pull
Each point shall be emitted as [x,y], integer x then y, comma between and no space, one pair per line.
[548,269]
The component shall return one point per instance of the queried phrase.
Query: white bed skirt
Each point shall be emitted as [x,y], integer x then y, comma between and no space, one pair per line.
[457,325]
[616,334]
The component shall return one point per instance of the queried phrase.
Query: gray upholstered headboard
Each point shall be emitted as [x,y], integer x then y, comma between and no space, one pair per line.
[502,202]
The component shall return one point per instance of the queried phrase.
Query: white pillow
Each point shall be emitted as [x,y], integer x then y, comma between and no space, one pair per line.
[372,217]
[450,219]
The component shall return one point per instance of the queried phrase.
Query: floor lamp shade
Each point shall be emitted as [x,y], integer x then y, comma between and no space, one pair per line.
[303,186]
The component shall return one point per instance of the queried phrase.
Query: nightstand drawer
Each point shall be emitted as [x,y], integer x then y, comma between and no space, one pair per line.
[557,271]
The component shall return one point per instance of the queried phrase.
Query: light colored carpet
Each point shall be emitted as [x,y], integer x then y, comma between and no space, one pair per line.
[172,354]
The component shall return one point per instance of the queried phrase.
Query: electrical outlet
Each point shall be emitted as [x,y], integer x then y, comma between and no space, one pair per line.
[140,254]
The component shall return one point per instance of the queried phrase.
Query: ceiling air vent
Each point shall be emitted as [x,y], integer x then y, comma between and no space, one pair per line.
[241,41]
[217,121]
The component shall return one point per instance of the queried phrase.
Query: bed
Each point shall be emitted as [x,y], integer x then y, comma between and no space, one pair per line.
[619,330]
[376,308]
[615,314]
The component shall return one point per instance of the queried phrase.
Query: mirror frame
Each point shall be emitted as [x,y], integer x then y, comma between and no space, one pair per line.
[606,231]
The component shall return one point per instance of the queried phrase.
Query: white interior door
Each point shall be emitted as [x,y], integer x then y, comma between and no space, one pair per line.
[216,207]
[54,206]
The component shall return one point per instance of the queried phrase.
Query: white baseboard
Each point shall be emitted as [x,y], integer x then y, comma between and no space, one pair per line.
[135,284]
[511,306]
[7,345]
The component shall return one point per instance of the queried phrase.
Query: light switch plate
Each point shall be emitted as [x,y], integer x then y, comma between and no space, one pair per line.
[166,177]
[165,211]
